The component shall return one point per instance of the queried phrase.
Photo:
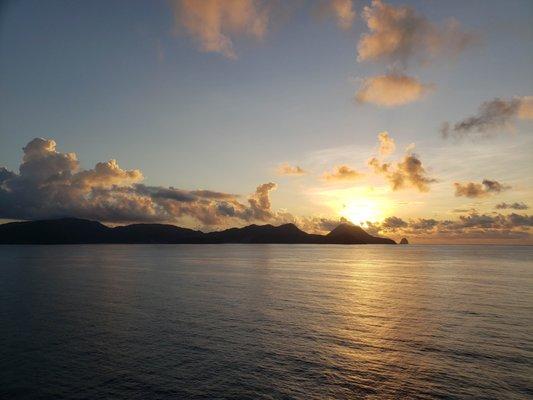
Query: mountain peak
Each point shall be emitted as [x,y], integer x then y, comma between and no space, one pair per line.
[346,233]
[345,228]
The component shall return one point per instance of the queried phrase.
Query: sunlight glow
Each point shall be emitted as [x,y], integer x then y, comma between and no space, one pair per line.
[360,211]
[357,204]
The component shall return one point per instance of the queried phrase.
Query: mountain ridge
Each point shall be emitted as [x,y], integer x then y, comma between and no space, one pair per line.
[83,231]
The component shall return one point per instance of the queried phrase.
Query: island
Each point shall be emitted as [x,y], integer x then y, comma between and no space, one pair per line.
[82,231]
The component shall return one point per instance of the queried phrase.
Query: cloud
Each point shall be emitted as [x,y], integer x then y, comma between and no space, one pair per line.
[319,225]
[472,225]
[292,170]
[342,10]
[392,223]
[409,172]
[392,90]
[525,111]
[107,174]
[386,144]
[342,173]
[398,35]
[213,23]
[50,185]
[475,190]
[496,114]
[512,206]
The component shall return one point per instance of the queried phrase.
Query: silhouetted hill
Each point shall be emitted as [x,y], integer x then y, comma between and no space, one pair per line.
[288,233]
[352,234]
[55,231]
[152,233]
[73,230]
[404,241]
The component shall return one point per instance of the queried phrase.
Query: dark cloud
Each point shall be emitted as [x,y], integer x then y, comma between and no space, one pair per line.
[493,116]
[475,190]
[512,206]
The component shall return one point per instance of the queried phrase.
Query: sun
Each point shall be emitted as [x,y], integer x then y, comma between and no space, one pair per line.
[359,211]
[358,205]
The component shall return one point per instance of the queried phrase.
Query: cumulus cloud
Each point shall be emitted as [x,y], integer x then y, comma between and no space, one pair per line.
[493,116]
[386,144]
[512,206]
[213,23]
[409,172]
[293,170]
[341,173]
[474,190]
[399,34]
[392,90]
[50,184]
[342,10]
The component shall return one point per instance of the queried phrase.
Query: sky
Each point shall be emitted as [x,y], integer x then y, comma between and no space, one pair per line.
[409,118]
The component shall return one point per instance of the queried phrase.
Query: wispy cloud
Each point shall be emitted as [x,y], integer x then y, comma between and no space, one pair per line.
[342,10]
[290,170]
[386,144]
[341,173]
[492,116]
[512,206]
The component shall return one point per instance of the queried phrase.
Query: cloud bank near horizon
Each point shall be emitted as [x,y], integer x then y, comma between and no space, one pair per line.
[472,225]
[50,184]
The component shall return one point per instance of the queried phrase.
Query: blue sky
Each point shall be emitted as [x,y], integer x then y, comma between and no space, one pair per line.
[114,80]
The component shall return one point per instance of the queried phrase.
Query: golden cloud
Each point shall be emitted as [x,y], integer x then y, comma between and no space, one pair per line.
[392,90]
[213,23]
[342,173]
[386,144]
[291,170]
[399,34]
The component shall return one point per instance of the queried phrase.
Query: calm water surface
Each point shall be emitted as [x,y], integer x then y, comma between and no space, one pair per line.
[266,322]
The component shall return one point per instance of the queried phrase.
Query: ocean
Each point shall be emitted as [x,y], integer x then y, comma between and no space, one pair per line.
[266,322]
